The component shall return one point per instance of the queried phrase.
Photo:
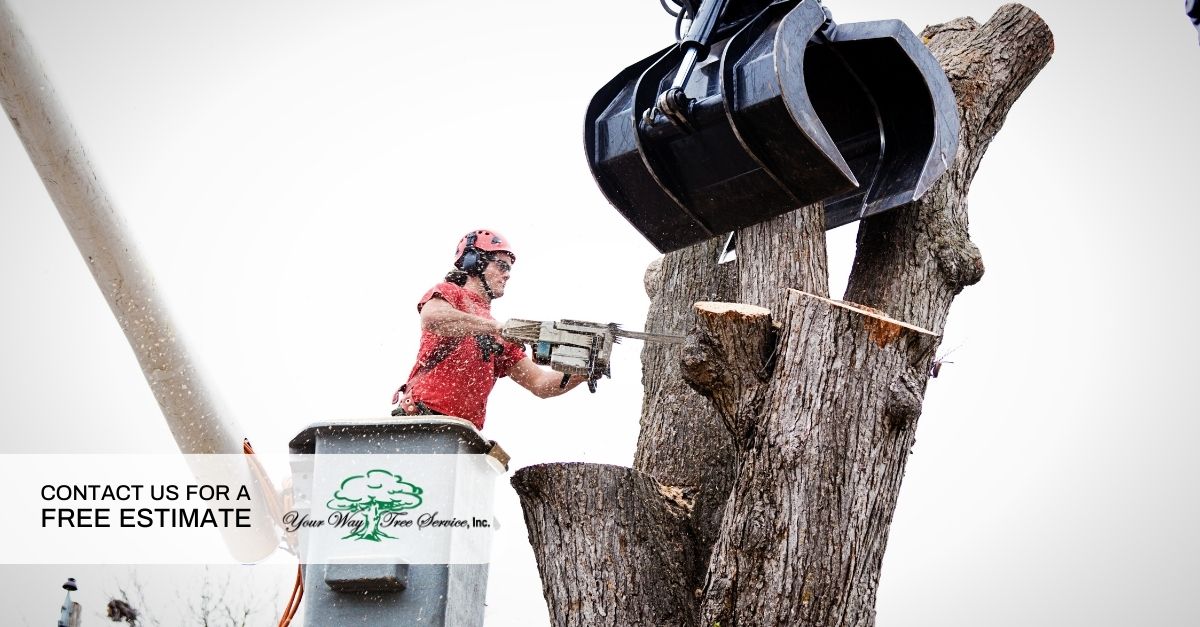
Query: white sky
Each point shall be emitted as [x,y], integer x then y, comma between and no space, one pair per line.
[298,173]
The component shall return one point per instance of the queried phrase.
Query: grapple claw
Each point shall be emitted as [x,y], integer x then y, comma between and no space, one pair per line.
[785,110]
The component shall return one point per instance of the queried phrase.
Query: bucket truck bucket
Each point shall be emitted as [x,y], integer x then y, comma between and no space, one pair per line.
[785,109]
[381,556]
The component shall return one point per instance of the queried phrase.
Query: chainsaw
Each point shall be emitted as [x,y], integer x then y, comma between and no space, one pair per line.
[574,347]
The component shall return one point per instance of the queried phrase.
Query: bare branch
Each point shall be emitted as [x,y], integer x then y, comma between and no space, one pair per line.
[912,261]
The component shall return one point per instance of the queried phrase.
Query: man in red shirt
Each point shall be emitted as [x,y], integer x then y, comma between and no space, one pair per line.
[461,353]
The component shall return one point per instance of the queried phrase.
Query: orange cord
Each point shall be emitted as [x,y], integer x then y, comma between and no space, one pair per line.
[293,604]
[273,504]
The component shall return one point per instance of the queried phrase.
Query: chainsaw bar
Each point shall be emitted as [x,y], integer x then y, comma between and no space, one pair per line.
[665,338]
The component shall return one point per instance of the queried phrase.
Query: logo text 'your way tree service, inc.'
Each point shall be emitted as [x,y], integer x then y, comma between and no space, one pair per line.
[371,504]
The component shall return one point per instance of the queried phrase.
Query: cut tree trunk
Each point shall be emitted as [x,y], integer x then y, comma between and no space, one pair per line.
[621,531]
[806,522]
[785,442]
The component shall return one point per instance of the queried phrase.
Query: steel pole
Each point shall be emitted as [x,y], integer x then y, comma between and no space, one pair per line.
[68,615]
[191,409]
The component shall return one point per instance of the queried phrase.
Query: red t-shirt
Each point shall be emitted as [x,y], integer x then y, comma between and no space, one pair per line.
[454,375]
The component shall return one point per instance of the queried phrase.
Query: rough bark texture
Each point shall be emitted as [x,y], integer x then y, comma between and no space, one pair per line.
[611,545]
[911,262]
[787,252]
[806,522]
[682,442]
[728,359]
[793,465]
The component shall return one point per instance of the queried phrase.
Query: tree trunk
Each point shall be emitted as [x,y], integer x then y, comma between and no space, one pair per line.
[806,523]
[682,443]
[784,442]
[603,533]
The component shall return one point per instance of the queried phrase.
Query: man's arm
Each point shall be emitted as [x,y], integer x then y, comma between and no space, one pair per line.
[440,317]
[544,383]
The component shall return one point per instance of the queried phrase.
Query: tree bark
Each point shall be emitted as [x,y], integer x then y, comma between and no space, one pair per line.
[807,519]
[787,445]
[914,260]
[682,442]
[611,545]
[728,359]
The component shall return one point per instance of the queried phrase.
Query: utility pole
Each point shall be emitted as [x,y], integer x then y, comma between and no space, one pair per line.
[69,616]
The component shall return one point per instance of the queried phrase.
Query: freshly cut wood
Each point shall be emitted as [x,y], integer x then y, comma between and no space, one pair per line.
[883,328]
[727,359]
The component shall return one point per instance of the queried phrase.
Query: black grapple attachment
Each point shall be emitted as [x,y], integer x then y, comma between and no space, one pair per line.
[764,107]
[1193,11]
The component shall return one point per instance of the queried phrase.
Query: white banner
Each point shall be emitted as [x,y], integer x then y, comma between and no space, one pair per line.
[196,509]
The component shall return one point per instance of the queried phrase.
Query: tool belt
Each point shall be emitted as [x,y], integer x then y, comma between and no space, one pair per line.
[422,410]
[406,406]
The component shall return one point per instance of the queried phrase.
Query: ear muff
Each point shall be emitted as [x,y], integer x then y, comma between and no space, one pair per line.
[472,260]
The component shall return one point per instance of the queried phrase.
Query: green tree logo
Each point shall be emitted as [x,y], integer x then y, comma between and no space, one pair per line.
[374,495]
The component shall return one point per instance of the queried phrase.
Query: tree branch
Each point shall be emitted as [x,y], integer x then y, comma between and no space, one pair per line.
[786,252]
[726,359]
[912,261]
[989,67]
